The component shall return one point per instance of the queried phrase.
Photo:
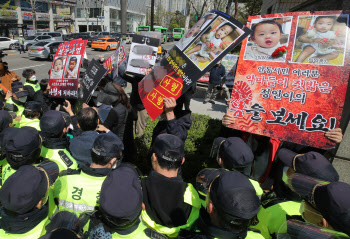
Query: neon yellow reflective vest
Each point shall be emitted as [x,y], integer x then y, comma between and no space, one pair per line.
[54,155]
[20,110]
[273,214]
[35,87]
[35,123]
[190,197]
[36,232]
[3,164]
[78,192]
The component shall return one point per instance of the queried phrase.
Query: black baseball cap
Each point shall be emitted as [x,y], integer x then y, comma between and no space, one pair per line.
[53,122]
[331,199]
[32,106]
[233,151]
[122,187]
[5,119]
[18,90]
[169,147]
[234,197]
[20,145]
[23,190]
[60,233]
[312,164]
[108,145]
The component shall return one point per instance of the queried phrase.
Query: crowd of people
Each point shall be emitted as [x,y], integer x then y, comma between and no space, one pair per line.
[69,172]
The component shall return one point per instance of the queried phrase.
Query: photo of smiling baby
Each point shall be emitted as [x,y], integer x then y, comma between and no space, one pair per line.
[212,42]
[320,39]
[57,68]
[268,36]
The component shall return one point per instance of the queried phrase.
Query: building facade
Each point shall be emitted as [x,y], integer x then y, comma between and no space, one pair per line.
[16,16]
[90,17]
[280,6]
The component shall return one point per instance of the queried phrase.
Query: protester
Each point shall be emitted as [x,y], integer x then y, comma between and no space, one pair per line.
[31,84]
[185,99]
[7,76]
[217,73]
[78,190]
[168,211]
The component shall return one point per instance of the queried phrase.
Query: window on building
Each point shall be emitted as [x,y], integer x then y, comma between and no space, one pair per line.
[95,12]
[39,6]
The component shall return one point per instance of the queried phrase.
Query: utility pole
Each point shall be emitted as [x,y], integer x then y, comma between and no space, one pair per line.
[123,16]
[152,15]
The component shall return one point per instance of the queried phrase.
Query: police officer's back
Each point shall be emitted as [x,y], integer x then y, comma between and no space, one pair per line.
[231,207]
[79,190]
[24,199]
[235,155]
[122,188]
[170,203]
[31,115]
[54,127]
[17,98]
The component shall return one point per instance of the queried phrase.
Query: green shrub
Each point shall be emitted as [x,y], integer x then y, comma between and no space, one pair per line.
[197,146]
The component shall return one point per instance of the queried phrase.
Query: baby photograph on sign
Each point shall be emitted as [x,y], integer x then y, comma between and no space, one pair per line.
[72,67]
[269,36]
[320,39]
[212,42]
[57,68]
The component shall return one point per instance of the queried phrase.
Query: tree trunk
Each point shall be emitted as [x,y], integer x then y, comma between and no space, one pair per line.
[228,6]
[32,2]
[236,9]
[188,15]
[123,16]
[152,14]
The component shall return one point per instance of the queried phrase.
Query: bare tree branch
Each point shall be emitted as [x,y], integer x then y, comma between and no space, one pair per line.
[228,6]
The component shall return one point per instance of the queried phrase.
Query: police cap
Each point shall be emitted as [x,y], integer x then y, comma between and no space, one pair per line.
[20,145]
[53,122]
[60,233]
[234,197]
[169,147]
[32,106]
[108,145]
[233,151]
[18,90]
[123,188]
[312,164]
[5,119]
[23,190]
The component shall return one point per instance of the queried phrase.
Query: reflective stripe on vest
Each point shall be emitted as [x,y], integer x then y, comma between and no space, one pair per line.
[20,107]
[190,197]
[75,206]
[35,87]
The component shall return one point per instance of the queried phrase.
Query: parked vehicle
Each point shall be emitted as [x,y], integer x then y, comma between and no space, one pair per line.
[105,43]
[8,43]
[31,40]
[56,36]
[116,35]
[170,37]
[95,36]
[42,49]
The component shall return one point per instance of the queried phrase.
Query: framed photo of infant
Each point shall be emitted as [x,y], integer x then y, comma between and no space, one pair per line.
[57,68]
[321,40]
[72,67]
[218,36]
[269,35]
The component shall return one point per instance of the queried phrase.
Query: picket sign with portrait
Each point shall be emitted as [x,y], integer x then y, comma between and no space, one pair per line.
[207,42]
[230,63]
[143,54]
[112,62]
[292,76]
[64,73]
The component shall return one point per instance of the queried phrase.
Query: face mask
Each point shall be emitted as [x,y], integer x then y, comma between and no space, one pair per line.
[98,103]
[23,99]
[33,78]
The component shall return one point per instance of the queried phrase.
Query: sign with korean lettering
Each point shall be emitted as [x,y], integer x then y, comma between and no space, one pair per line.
[292,76]
[92,77]
[112,61]
[208,41]
[143,54]
[64,73]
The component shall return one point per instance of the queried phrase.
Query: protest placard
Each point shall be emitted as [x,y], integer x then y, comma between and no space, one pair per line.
[111,62]
[208,41]
[64,73]
[92,77]
[143,53]
[292,76]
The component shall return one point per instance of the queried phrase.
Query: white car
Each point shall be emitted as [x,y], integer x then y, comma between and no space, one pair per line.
[8,43]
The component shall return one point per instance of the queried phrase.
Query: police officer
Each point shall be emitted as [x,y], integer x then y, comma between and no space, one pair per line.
[31,84]
[24,197]
[235,155]
[231,207]
[31,115]
[122,187]
[17,98]
[5,122]
[22,147]
[169,203]
[78,190]
[61,233]
[325,204]
[54,126]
